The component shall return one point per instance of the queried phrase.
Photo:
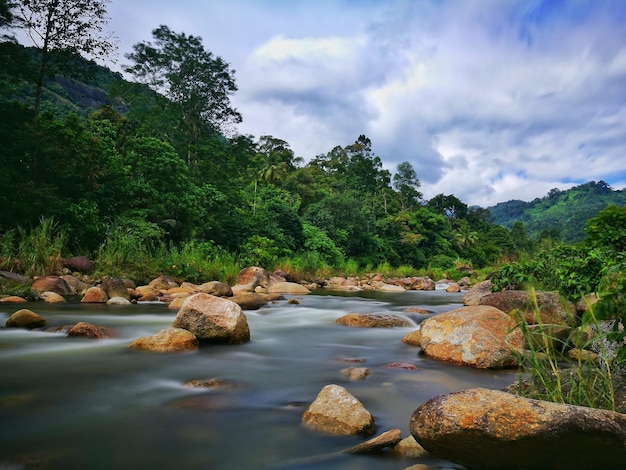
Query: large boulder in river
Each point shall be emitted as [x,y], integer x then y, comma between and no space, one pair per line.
[88,330]
[480,336]
[488,429]
[249,300]
[249,279]
[288,288]
[77,285]
[163,283]
[213,319]
[51,284]
[549,306]
[25,319]
[336,411]
[115,287]
[477,292]
[167,340]
[217,288]
[94,295]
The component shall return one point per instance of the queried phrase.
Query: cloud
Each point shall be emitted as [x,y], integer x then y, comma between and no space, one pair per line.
[489,100]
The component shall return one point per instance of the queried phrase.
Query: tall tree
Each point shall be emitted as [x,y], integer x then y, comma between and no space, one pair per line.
[180,68]
[74,26]
[406,183]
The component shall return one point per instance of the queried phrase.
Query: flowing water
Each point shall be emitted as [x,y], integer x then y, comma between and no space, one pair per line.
[95,404]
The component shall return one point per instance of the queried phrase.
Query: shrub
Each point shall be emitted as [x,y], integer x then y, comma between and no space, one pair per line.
[547,375]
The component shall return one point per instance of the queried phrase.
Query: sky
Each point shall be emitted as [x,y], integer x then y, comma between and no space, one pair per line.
[489,100]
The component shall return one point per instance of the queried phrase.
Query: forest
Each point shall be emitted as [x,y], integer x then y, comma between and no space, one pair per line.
[163,170]
[150,175]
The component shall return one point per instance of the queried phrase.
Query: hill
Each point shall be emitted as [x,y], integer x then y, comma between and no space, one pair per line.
[559,213]
[74,85]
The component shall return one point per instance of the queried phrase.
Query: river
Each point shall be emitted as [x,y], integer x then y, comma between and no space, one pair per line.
[95,404]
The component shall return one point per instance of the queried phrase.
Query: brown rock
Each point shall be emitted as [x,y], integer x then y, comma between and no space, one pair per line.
[176,303]
[213,319]
[80,264]
[422,283]
[76,285]
[402,365]
[421,311]
[552,309]
[480,336]
[336,282]
[288,288]
[488,429]
[87,330]
[163,283]
[115,287]
[118,301]
[210,383]
[582,355]
[249,301]
[373,320]
[217,288]
[52,298]
[51,284]
[336,411]
[453,287]
[250,278]
[387,439]
[356,373]
[413,338]
[147,293]
[473,296]
[169,340]
[409,447]
[94,295]
[191,287]
[25,319]
[12,299]
[180,290]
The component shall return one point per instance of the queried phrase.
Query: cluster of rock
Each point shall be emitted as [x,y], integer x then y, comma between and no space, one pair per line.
[480,428]
[488,429]
[477,428]
[378,282]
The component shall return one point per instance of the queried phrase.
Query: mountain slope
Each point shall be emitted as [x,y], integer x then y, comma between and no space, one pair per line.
[561,213]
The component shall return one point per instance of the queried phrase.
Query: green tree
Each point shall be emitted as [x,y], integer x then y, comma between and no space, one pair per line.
[201,84]
[450,206]
[608,229]
[405,182]
[464,235]
[74,26]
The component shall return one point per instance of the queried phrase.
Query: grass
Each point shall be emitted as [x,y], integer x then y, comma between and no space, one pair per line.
[548,374]
[34,252]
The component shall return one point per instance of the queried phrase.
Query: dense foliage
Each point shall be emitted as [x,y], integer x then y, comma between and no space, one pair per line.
[159,168]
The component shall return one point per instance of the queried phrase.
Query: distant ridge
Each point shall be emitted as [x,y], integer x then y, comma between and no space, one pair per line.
[560,214]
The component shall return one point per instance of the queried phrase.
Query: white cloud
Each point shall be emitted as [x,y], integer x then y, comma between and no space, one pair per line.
[489,100]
